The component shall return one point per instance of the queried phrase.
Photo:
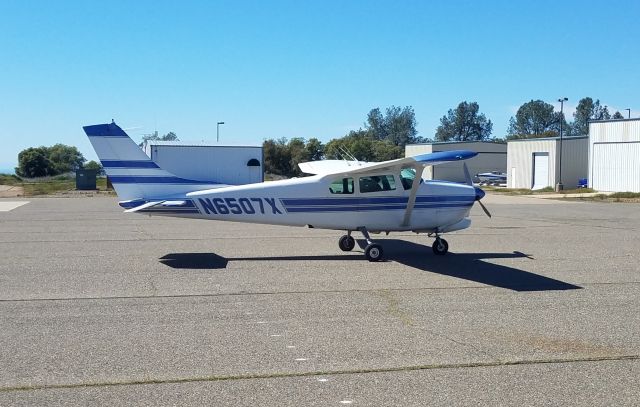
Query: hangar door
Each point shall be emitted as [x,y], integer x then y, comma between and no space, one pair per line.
[540,170]
[616,167]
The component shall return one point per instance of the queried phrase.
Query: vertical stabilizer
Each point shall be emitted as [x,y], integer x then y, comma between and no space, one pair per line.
[132,173]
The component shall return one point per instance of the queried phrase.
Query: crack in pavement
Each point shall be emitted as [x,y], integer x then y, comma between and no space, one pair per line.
[215,378]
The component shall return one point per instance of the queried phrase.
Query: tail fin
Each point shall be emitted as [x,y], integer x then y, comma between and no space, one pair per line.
[133,174]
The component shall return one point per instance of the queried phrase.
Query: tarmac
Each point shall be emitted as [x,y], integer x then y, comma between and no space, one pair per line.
[538,305]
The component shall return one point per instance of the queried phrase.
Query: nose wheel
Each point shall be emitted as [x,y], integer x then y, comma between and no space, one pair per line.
[440,246]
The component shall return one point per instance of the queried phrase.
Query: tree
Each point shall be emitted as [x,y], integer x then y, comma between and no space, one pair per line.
[535,119]
[363,146]
[171,136]
[92,165]
[587,110]
[315,149]
[33,162]
[281,157]
[277,158]
[43,161]
[464,124]
[397,125]
[617,116]
[64,158]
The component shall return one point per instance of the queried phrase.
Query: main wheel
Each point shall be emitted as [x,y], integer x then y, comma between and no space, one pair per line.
[373,252]
[440,247]
[346,243]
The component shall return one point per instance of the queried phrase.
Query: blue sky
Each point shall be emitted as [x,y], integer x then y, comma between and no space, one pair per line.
[307,69]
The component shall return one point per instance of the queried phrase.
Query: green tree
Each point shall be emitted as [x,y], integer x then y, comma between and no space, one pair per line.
[587,110]
[92,165]
[617,116]
[281,157]
[277,157]
[315,149]
[363,146]
[64,158]
[536,119]
[171,136]
[464,123]
[33,162]
[397,125]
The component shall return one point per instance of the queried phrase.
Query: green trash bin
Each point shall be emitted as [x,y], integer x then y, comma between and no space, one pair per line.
[86,179]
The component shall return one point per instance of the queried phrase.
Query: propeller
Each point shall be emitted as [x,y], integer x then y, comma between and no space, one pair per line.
[479,192]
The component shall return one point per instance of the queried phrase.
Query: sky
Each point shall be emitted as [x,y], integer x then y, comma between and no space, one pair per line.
[272,69]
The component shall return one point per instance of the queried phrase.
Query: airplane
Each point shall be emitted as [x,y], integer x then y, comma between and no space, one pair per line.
[492,177]
[353,196]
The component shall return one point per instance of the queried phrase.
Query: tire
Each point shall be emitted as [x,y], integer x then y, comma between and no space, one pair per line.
[440,247]
[373,252]
[346,243]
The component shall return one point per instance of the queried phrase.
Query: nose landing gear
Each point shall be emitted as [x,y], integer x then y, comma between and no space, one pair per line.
[440,246]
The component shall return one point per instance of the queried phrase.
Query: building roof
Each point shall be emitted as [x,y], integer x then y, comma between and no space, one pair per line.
[613,120]
[547,138]
[457,142]
[198,144]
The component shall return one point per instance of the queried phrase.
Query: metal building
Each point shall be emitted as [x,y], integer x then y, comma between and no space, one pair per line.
[227,164]
[535,163]
[614,155]
[492,156]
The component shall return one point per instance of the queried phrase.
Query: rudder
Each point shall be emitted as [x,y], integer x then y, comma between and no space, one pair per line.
[132,173]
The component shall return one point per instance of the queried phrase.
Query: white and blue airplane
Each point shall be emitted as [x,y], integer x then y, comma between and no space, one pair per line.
[340,195]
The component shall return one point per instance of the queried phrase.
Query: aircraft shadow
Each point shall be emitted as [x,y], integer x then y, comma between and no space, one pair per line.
[466,266]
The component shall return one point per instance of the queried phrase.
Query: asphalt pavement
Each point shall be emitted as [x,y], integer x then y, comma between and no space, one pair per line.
[538,305]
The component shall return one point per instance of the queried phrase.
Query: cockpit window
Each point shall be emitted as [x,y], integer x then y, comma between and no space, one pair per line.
[342,186]
[406,176]
[377,183]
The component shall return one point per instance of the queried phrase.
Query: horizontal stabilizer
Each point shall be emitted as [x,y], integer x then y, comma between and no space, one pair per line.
[143,206]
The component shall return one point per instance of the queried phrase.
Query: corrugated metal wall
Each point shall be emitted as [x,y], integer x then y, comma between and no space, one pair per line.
[224,164]
[520,161]
[614,155]
[491,157]
[574,161]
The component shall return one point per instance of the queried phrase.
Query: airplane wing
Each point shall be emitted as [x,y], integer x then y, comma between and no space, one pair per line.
[331,166]
[354,167]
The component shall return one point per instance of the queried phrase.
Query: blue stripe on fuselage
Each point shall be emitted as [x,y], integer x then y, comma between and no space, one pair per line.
[141,179]
[129,164]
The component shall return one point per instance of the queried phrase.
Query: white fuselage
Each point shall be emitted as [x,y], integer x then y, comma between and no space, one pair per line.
[310,202]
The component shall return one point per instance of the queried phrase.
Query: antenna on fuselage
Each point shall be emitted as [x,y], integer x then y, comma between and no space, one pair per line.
[346,155]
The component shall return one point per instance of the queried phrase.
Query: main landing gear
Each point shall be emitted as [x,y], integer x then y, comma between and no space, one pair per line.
[374,252]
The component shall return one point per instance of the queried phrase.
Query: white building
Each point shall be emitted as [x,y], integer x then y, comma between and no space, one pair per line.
[491,156]
[614,155]
[535,163]
[227,164]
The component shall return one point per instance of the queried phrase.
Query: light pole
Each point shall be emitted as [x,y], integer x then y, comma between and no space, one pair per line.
[218,131]
[629,113]
[559,185]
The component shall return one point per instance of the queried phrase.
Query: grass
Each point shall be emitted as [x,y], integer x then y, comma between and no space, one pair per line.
[6,179]
[47,185]
[546,190]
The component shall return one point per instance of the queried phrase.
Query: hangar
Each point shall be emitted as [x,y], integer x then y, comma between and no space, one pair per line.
[227,164]
[492,156]
[614,155]
[536,163]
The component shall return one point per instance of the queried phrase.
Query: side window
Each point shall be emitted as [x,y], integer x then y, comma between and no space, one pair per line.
[406,177]
[377,183]
[342,186]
